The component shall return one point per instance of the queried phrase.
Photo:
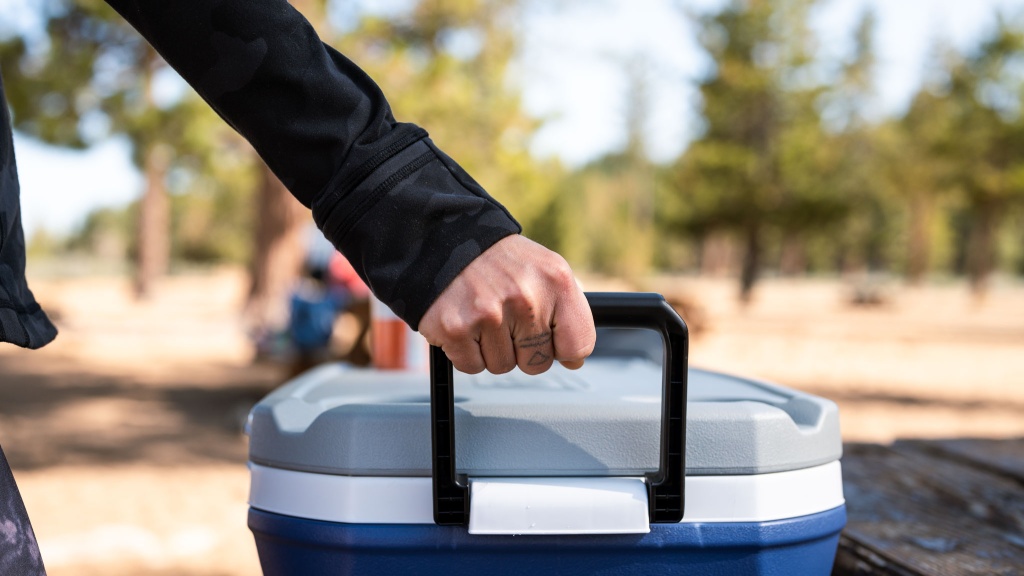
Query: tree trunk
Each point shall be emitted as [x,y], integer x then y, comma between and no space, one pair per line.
[919,245]
[278,254]
[153,230]
[751,262]
[717,254]
[793,257]
[981,247]
[153,245]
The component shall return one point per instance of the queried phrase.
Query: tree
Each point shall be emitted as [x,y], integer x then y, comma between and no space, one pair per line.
[980,145]
[93,76]
[754,168]
[916,173]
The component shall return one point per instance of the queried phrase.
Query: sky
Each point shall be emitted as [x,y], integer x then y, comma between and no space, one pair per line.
[572,75]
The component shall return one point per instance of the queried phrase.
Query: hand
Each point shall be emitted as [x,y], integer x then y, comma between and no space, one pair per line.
[516,304]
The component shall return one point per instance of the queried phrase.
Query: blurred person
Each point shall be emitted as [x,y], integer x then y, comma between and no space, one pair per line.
[342,275]
[328,288]
[419,231]
[313,307]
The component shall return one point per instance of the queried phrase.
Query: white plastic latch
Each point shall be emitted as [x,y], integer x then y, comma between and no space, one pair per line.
[558,506]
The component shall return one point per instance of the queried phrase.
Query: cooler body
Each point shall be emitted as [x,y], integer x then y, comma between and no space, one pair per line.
[341,472]
[804,546]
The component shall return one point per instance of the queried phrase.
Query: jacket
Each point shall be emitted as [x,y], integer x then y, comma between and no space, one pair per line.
[406,216]
[22,321]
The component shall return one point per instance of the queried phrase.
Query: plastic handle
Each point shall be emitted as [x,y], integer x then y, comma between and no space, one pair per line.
[613,310]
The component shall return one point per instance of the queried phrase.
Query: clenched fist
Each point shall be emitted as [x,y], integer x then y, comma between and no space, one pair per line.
[517,304]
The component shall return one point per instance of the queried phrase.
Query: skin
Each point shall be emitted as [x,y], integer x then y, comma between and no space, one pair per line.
[517,304]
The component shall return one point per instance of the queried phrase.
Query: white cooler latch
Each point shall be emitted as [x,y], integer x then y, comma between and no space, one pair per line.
[598,505]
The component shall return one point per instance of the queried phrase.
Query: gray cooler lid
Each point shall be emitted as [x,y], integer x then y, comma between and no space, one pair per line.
[603,419]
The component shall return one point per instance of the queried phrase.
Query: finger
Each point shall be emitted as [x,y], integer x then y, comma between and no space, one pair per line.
[534,350]
[457,335]
[465,356]
[571,365]
[496,348]
[573,329]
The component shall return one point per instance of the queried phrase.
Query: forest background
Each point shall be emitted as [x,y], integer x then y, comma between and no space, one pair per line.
[791,172]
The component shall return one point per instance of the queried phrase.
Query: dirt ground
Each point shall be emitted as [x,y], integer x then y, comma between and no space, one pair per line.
[125,434]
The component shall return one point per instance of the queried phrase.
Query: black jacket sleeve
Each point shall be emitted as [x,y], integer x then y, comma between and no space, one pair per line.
[407,217]
[22,321]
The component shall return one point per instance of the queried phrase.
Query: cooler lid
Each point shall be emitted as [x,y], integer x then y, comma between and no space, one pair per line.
[601,420]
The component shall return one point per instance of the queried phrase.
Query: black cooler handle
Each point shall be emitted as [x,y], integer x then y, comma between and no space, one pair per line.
[611,310]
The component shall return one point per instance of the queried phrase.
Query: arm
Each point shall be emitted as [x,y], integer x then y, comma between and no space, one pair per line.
[408,217]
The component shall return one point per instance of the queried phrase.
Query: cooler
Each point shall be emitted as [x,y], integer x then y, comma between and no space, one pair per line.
[569,472]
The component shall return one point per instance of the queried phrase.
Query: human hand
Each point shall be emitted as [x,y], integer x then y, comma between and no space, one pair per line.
[515,304]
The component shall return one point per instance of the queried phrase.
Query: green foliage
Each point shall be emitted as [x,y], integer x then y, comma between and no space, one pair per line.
[765,161]
[789,153]
[967,136]
[445,65]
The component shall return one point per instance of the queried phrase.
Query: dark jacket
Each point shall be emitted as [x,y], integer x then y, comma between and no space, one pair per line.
[22,322]
[407,216]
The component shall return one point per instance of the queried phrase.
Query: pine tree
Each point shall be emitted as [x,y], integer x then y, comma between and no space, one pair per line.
[757,167]
[979,141]
[93,76]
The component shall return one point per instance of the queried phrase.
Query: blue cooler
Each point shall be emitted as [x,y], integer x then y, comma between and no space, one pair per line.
[368,472]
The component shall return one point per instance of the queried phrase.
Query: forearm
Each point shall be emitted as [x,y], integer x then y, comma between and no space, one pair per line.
[406,216]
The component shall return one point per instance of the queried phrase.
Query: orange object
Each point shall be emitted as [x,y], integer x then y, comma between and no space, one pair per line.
[389,344]
[395,346]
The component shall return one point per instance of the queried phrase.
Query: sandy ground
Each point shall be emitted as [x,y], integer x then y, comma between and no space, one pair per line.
[125,433]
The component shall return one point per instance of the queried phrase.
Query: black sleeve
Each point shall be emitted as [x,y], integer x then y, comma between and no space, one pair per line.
[407,217]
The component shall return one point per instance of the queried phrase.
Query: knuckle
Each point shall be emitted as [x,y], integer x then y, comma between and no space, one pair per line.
[489,314]
[522,301]
[560,273]
[455,327]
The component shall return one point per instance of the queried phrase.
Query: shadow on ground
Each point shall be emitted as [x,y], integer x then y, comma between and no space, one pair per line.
[52,412]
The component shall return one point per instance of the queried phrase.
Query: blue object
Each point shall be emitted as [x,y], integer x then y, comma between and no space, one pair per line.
[311,322]
[803,546]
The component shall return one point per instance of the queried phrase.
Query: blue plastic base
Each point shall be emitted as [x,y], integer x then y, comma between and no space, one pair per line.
[288,546]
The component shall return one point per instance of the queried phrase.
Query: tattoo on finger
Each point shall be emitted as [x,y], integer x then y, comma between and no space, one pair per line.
[535,341]
[538,358]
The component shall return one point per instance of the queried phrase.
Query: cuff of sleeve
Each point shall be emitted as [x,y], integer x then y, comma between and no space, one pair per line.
[26,328]
[412,225]
[22,322]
